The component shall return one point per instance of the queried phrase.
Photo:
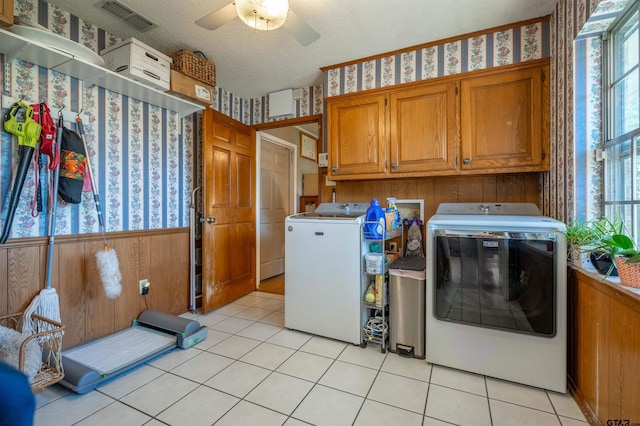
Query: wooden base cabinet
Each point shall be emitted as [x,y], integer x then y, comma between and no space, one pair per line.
[604,349]
[491,121]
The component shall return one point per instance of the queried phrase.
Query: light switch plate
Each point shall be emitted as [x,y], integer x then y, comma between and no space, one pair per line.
[323,159]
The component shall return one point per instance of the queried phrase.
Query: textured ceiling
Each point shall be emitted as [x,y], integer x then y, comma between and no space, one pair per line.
[251,64]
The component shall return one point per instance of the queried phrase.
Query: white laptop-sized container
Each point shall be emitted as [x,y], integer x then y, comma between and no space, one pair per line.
[136,60]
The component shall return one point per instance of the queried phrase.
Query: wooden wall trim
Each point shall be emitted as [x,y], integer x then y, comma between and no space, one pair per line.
[80,238]
[317,118]
[582,404]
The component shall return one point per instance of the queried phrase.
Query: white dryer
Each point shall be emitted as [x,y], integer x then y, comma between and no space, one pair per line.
[497,292]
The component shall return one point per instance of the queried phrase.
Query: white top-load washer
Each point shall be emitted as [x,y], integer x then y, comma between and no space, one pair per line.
[323,271]
[496,299]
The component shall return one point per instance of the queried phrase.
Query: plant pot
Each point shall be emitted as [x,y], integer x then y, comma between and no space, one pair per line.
[629,272]
[602,262]
[580,257]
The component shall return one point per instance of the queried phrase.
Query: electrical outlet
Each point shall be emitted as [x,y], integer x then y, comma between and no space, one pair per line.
[144,286]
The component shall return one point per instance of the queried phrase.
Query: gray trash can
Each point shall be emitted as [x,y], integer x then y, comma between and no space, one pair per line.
[406,306]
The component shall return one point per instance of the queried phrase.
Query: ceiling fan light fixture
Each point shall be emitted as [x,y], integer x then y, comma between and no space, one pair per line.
[263,15]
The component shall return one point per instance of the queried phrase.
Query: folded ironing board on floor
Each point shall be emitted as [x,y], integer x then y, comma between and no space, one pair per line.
[151,335]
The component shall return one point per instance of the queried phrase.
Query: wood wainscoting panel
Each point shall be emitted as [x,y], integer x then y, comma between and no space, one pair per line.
[70,282]
[168,273]
[162,256]
[510,188]
[604,348]
[624,363]
[100,311]
[128,252]
[517,188]
[473,189]
[24,276]
[4,310]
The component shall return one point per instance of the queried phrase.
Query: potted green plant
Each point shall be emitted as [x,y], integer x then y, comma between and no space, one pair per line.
[580,238]
[613,240]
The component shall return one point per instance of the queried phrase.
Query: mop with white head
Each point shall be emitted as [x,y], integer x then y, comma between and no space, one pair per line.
[109,269]
[47,302]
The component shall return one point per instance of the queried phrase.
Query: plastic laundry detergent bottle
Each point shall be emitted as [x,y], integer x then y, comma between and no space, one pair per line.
[375,213]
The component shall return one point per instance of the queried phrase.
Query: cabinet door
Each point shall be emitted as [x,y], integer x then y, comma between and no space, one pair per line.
[357,136]
[423,128]
[502,119]
[6,13]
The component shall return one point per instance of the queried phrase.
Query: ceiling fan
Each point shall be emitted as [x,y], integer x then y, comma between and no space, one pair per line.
[262,15]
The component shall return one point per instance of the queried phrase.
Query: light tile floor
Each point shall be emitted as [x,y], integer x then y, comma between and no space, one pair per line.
[251,370]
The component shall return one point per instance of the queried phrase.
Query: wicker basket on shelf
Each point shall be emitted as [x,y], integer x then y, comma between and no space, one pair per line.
[194,65]
[51,370]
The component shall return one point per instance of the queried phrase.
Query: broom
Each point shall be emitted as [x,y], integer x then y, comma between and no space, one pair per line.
[46,303]
[107,260]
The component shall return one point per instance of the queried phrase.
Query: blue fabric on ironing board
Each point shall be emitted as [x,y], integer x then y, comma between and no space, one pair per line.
[17,402]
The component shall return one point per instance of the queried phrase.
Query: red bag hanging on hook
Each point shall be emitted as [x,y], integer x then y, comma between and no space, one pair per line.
[42,115]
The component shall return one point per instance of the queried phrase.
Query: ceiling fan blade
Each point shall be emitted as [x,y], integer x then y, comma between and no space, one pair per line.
[300,29]
[218,18]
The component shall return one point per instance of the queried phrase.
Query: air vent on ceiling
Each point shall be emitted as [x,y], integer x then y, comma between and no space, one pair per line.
[127,14]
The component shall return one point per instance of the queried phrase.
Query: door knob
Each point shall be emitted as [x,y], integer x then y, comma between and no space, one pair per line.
[466,161]
[211,220]
[334,169]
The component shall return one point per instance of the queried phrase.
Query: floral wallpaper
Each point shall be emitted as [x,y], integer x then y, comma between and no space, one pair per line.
[145,159]
[574,186]
[571,37]
[256,110]
[142,156]
[526,41]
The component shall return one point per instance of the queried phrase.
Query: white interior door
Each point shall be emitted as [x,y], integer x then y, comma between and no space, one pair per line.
[274,204]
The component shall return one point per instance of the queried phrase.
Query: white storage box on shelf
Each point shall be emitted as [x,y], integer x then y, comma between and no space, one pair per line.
[140,62]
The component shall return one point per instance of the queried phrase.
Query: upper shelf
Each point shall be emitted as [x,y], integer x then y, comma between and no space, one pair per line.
[15,46]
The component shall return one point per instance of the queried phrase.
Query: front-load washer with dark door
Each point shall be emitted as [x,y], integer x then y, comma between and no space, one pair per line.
[497,292]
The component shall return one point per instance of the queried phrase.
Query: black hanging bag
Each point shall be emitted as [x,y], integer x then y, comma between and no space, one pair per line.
[72,167]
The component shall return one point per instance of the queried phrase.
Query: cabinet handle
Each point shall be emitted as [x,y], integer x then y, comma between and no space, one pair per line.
[334,169]
[208,219]
[394,165]
[466,161]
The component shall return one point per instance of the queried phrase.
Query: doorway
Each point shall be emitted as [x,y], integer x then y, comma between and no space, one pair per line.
[279,168]
[276,192]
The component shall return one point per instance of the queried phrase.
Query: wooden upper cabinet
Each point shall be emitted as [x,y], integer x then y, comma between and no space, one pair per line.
[504,120]
[422,121]
[357,138]
[6,13]
[493,121]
